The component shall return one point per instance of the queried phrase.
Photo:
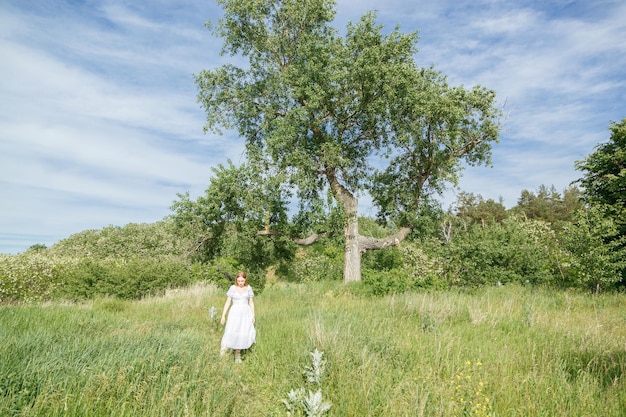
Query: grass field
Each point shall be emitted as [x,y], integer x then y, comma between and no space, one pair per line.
[506,351]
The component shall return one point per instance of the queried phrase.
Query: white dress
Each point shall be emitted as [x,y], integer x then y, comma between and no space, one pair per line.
[239,332]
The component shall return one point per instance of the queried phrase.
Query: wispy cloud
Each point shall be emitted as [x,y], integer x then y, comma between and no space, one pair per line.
[98,122]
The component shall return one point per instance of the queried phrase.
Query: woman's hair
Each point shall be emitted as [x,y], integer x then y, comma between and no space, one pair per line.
[242,274]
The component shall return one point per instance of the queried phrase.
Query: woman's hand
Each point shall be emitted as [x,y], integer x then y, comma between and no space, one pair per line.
[223,320]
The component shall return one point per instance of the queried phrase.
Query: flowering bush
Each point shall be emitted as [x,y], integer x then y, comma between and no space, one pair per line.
[40,276]
[30,276]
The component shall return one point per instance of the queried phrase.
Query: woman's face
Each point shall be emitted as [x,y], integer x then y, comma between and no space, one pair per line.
[241,281]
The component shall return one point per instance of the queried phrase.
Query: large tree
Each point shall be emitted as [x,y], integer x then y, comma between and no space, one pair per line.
[348,113]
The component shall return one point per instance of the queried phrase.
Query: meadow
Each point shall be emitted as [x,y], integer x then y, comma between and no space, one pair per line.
[499,351]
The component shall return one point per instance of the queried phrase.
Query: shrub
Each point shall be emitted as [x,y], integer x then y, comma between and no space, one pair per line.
[598,253]
[422,265]
[221,272]
[314,267]
[130,241]
[26,277]
[385,282]
[124,278]
[514,251]
[385,259]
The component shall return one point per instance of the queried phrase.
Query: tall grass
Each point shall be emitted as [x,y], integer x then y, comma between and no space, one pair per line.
[507,351]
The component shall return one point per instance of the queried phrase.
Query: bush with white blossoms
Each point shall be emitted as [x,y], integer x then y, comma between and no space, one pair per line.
[29,277]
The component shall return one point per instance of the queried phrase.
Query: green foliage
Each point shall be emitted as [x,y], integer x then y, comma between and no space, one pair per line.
[604,180]
[385,259]
[512,251]
[598,252]
[428,221]
[30,277]
[127,262]
[38,247]
[132,278]
[549,206]
[422,264]
[239,203]
[371,228]
[222,273]
[436,128]
[381,283]
[317,264]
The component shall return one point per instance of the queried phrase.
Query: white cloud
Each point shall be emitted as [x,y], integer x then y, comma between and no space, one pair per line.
[82,143]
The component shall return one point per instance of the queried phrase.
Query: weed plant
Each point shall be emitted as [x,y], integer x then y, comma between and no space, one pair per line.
[541,353]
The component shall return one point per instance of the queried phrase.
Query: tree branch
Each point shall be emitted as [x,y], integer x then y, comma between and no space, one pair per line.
[309,240]
[370,243]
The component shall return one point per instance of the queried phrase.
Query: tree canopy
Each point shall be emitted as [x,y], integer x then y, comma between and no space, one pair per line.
[349,114]
[604,180]
[548,205]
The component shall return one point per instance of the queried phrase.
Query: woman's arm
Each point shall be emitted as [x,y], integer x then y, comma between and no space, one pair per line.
[251,304]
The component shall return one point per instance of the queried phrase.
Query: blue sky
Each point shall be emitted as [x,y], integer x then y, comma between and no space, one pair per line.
[99,123]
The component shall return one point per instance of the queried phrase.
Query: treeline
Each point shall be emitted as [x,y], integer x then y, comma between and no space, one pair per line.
[548,238]
[484,244]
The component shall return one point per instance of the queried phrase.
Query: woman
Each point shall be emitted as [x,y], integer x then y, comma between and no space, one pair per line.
[239,332]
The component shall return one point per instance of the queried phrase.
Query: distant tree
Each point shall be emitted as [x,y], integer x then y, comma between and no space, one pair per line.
[38,247]
[474,209]
[537,206]
[548,205]
[325,111]
[571,203]
[604,180]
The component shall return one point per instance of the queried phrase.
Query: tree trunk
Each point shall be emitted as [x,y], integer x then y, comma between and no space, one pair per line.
[351,249]
[354,244]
